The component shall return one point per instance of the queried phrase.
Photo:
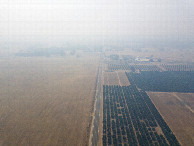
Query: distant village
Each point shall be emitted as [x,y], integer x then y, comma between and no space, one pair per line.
[147,59]
[137,59]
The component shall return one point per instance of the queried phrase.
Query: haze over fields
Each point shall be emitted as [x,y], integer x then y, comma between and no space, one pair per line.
[88,72]
[46,101]
[86,21]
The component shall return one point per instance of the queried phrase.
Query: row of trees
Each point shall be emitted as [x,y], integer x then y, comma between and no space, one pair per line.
[142,118]
[178,67]
[117,126]
[166,130]
[130,118]
[176,81]
[133,67]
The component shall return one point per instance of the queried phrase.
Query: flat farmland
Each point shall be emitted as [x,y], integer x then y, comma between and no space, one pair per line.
[168,55]
[177,110]
[46,101]
[110,78]
[116,78]
[123,80]
[187,99]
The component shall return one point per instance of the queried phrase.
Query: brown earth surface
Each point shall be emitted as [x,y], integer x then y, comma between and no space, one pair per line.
[177,111]
[46,101]
[110,78]
[116,78]
[123,80]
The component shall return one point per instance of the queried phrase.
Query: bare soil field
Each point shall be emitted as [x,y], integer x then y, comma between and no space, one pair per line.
[116,78]
[187,99]
[123,78]
[176,109]
[46,101]
[110,78]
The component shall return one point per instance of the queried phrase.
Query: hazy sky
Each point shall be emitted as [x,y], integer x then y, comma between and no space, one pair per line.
[97,17]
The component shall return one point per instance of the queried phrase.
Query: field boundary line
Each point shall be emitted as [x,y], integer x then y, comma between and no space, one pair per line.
[179,99]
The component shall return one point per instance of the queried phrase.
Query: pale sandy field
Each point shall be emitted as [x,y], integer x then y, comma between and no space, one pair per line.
[177,111]
[46,101]
[115,78]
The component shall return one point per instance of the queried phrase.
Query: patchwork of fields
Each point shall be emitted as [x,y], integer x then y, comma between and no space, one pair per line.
[132,116]
[178,111]
[49,101]
[115,78]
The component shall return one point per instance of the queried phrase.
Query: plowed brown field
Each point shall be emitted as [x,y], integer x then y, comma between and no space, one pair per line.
[177,110]
[46,101]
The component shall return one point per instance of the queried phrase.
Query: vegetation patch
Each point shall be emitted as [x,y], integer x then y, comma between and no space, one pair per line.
[130,118]
[174,81]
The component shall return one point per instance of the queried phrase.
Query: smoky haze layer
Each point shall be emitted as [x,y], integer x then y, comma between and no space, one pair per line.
[53,20]
[31,46]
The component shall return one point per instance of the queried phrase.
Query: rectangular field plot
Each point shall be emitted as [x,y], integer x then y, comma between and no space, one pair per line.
[174,81]
[111,78]
[177,110]
[116,78]
[123,80]
[130,118]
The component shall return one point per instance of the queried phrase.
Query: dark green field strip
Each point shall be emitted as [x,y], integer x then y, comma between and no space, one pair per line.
[133,67]
[173,81]
[178,67]
[130,118]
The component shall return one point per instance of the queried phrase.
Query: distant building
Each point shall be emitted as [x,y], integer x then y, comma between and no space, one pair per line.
[147,59]
[142,59]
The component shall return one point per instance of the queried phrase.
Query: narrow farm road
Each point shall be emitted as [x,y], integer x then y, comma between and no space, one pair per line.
[94,133]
